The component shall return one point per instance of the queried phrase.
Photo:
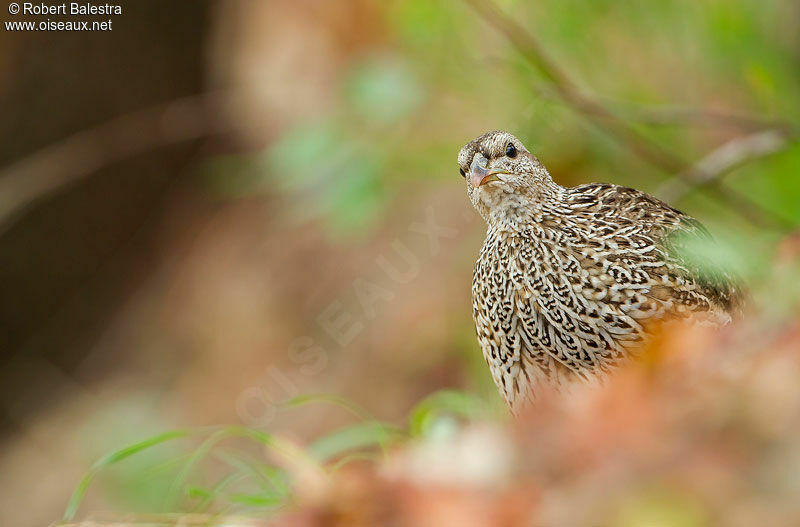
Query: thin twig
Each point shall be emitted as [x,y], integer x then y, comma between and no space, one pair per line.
[704,117]
[724,159]
[527,45]
[672,115]
[69,160]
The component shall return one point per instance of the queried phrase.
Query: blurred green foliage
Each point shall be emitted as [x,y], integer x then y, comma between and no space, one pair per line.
[222,473]
[444,76]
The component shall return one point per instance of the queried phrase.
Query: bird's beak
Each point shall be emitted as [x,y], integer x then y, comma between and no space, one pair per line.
[480,175]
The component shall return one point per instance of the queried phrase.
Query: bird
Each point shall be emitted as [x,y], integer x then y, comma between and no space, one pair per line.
[571,281]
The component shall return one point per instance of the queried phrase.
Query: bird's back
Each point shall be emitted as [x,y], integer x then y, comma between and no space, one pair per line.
[696,281]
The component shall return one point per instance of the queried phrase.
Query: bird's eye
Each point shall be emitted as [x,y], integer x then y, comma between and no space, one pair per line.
[461,171]
[511,150]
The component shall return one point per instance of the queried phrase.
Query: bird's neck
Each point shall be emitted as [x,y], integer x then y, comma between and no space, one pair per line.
[518,212]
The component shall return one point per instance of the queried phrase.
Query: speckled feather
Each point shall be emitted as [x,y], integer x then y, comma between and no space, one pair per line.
[570,280]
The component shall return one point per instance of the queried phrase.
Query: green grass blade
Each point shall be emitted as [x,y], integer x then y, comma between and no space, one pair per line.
[284,448]
[199,453]
[352,458]
[353,437]
[255,500]
[336,400]
[382,437]
[115,457]
[271,479]
[209,496]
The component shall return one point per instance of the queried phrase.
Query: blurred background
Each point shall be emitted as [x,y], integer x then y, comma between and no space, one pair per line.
[222,205]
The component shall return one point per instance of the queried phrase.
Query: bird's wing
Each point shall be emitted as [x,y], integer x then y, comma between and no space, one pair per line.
[696,278]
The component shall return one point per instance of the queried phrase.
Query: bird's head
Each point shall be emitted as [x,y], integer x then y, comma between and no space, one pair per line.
[505,182]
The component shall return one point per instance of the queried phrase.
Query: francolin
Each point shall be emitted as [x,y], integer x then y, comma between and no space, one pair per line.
[570,281]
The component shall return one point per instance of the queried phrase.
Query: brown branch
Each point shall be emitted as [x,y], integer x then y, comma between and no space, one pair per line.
[527,45]
[724,159]
[704,117]
[530,48]
[672,115]
[67,161]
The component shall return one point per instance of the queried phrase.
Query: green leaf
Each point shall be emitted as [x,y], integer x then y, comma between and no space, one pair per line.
[443,402]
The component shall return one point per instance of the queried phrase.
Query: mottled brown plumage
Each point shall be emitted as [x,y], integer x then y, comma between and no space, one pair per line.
[570,280]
